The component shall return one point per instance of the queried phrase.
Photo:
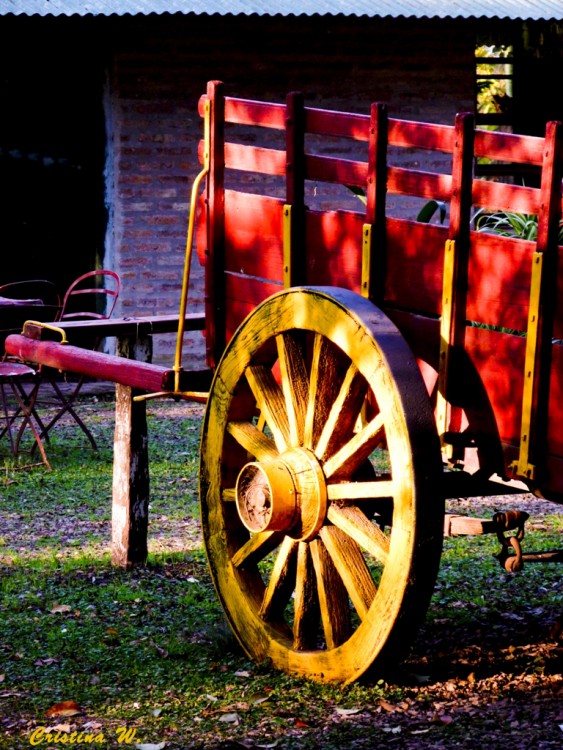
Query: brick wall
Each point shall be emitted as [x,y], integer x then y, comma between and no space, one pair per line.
[159,67]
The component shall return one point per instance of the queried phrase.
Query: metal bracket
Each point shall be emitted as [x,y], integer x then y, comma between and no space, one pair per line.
[287,226]
[446,320]
[366,259]
[522,467]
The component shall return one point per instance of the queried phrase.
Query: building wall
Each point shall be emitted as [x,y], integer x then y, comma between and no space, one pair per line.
[158,68]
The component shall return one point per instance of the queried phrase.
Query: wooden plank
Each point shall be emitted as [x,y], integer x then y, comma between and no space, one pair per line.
[253,235]
[499,196]
[249,112]
[408,134]
[508,147]
[334,248]
[332,169]
[422,184]
[254,159]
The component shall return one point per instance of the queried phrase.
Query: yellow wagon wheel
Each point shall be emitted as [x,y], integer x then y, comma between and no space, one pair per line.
[320,485]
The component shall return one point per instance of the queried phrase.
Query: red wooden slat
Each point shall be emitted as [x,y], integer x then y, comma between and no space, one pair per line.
[422,184]
[253,235]
[248,112]
[507,147]
[499,196]
[254,159]
[423,135]
[338,124]
[329,169]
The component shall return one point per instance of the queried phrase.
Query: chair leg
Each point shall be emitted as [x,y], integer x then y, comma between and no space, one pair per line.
[67,407]
[25,409]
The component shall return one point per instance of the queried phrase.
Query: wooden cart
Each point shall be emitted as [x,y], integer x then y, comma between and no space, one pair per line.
[366,365]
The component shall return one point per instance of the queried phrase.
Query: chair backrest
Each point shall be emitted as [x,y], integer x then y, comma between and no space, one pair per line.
[88,299]
[32,290]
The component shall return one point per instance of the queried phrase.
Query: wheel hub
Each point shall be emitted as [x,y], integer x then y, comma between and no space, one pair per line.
[285,494]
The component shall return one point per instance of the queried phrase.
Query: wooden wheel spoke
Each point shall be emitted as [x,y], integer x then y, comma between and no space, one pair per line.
[257,548]
[361,490]
[306,605]
[351,566]
[271,402]
[253,440]
[356,525]
[333,598]
[327,368]
[295,384]
[282,581]
[352,455]
[343,414]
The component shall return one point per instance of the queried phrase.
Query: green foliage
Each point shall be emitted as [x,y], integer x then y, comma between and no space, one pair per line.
[150,649]
[510,224]
[429,209]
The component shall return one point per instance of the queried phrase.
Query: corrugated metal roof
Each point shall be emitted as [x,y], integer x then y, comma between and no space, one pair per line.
[512,9]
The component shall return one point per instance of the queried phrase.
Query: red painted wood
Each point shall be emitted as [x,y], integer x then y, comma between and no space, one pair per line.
[295,185]
[508,147]
[254,159]
[423,184]
[409,134]
[376,191]
[498,196]
[334,248]
[243,293]
[215,250]
[248,112]
[253,235]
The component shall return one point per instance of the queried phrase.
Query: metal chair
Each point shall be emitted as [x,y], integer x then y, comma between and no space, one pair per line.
[21,408]
[92,296]
[20,300]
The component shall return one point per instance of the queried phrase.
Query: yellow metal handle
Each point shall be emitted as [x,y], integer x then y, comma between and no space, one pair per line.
[58,330]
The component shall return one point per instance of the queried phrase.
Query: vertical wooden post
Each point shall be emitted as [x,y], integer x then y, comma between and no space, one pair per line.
[130,505]
[456,262]
[543,295]
[374,230]
[294,260]
[215,251]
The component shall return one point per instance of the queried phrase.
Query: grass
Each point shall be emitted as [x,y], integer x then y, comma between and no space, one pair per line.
[149,650]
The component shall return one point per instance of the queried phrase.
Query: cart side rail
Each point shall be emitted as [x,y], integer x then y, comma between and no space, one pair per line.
[276,227]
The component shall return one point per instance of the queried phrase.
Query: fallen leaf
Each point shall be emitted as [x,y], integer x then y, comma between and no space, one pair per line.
[2,677]
[65,708]
[347,711]
[391,730]
[386,706]
[242,673]
[300,724]
[151,746]
[258,698]
[62,728]
[59,608]
[232,718]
